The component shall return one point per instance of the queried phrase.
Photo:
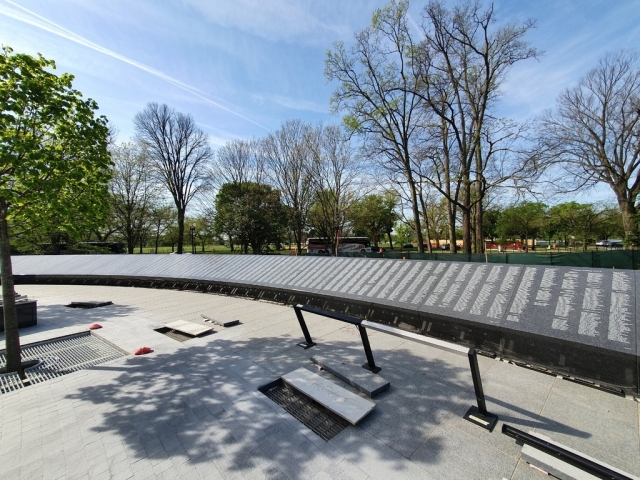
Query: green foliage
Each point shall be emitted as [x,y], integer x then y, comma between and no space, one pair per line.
[352,123]
[490,217]
[522,221]
[404,233]
[584,223]
[374,216]
[54,164]
[203,231]
[251,215]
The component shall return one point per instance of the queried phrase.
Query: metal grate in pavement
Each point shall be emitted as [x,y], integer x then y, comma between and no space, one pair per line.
[10,382]
[64,356]
[314,416]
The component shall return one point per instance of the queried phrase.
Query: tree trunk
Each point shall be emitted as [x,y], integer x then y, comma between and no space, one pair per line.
[451,216]
[298,236]
[466,216]
[180,230]
[426,223]
[480,191]
[416,214]
[479,229]
[629,220]
[11,333]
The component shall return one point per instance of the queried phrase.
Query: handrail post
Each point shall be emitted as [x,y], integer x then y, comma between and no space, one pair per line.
[308,343]
[370,365]
[479,415]
[477,381]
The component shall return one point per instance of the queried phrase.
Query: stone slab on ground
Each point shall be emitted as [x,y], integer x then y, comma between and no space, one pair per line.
[90,304]
[188,327]
[368,383]
[347,405]
[222,323]
[559,468]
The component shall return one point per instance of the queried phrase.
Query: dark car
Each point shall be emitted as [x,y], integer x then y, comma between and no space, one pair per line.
[447,247]
[407,245]
[375,249]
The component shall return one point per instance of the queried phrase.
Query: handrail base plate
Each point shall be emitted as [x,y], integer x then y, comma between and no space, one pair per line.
[487,421]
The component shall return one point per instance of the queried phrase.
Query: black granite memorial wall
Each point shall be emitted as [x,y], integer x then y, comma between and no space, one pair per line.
[576,321]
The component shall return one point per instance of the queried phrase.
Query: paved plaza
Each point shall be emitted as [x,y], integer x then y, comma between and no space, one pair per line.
[192,409]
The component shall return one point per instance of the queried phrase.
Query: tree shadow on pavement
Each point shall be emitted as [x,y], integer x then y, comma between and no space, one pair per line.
[200,405]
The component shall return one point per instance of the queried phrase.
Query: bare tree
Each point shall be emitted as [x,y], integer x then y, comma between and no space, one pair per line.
[132,192]
[377,91]
[595,133]
[462,61]
[239,161]
[161,218]
[289,154]
[179,152]
[334,174]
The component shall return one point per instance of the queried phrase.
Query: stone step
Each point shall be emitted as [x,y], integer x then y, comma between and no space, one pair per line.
[368,383]
[340,401]
[188,327]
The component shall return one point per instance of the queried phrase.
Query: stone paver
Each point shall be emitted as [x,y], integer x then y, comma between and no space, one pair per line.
[192,409]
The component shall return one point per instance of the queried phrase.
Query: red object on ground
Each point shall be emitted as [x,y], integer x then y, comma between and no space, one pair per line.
[95,326]
[142,351]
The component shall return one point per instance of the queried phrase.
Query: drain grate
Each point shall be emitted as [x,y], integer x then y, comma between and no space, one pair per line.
[314,416]
[174,334]
[10,382]
[60,357]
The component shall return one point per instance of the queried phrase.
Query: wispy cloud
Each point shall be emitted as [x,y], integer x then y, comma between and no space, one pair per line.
[24,15]
[306,23]
[292,103]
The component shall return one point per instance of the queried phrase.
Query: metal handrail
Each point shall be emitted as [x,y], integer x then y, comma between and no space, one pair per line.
[370,365]
[563,454]
[480,416]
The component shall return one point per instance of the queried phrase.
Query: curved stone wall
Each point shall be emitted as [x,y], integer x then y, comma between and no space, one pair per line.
[576,321]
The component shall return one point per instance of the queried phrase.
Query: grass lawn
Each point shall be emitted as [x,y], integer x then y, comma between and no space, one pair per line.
[209,249]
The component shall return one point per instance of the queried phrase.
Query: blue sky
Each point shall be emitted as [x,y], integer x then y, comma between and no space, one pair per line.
[242,67]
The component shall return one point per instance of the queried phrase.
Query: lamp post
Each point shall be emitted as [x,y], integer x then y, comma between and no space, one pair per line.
[192,229]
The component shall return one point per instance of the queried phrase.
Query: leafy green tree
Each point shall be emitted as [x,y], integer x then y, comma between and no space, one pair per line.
[404,232]
[374,216]
[490,222]
[203,230]
[611,224]
[581,221]
[251,215]
[54,164]
[522,221]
